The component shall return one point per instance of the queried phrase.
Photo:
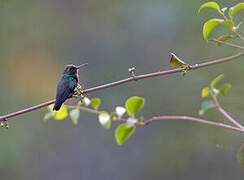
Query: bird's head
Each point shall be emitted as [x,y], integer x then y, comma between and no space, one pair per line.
[72,69]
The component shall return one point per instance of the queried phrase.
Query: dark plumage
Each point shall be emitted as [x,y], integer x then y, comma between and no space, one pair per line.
[67,84]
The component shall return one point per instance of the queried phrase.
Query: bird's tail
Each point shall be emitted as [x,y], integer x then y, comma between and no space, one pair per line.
[57,106]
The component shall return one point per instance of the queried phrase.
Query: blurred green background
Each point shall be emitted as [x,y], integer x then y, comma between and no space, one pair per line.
[38,38]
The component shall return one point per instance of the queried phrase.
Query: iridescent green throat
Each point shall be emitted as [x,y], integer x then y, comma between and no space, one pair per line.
[69,77]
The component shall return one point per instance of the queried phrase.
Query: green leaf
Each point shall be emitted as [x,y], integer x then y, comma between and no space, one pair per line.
[223,38]
[175,61]
[235,9]
[122,133]
[205,106]
[224,89]
[205,92]
[48,115]
[61,114]
[95,103]
[216,80]
[210,5]
[240,156]
[112,115]
[212,23]
[74,115]
[134,104]
[108,125]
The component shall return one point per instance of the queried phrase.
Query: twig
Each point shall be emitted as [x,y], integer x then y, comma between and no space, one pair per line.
[2,118]
[158,118]
[161,73]
[83,109]
[225,114]
[227,44]
[116,83]
[240,36]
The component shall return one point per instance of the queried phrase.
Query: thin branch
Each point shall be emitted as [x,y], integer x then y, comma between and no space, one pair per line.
[116,83]
[189,118]
[239,36]
[161,73]
[83,109]
[26,110]
[227,44]
[225,114]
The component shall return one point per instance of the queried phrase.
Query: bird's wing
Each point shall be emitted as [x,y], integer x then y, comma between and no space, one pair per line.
[64,90]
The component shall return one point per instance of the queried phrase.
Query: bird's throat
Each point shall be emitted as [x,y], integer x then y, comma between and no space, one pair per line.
[69,77]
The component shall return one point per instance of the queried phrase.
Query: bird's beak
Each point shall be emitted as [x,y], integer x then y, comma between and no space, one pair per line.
[81,66]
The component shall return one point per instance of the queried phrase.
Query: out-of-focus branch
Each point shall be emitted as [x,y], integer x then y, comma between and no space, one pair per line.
[239,36]
[189,118]
[227,44]
[225,114]
[116,83]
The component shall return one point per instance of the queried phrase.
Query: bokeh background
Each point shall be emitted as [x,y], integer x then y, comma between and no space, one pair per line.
[38,38]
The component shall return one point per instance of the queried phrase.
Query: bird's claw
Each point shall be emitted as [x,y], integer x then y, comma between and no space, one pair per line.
[78,92]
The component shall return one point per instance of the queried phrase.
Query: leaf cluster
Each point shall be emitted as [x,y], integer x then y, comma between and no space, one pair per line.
[226,20]
[212,90]
[122,132]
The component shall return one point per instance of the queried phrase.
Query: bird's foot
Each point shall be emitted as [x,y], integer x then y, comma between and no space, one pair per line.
[78,92]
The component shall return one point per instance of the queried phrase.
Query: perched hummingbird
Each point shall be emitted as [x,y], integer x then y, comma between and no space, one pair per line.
[67,84]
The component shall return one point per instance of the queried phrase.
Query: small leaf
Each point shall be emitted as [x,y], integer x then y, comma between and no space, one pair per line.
[61,114]
[224,9]
[205,92]
[228,23]
[131,122]
[112,115]
[48,115]
[120,111]
[210,5]
[212,23]
[235,28]
[122,133]
[240,156]
[74,115]
[134,104]
[235,9]
[223,38]
[95,103]
[216,80]
[108,124]
[205,106]
[175,61]
[104,118]
[224,89]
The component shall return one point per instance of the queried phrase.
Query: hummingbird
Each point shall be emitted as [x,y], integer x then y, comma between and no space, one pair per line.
[67,84]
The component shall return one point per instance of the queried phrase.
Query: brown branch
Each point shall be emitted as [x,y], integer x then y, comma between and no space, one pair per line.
[189,118]
[239,36]
[116,83]
[227,44]
[225,114]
